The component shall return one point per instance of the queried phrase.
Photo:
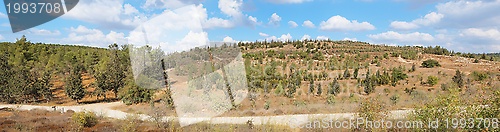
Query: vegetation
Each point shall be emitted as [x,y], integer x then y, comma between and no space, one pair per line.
[74,87]
[287,69]
[430,63]
[432,80]
[84,119]
[458,79]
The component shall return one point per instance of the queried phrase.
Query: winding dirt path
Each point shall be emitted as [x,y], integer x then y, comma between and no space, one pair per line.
[105,110]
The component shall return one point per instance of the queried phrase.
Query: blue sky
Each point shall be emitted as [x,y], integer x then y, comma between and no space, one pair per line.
[460,25]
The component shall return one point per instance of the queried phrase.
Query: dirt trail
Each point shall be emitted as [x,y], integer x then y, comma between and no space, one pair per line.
[105,110]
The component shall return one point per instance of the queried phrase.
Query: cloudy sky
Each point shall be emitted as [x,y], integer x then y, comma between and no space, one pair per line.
[461,25]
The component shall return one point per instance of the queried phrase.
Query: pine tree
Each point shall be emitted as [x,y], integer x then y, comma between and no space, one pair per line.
[73,84]
[458,79]
[319,89]
[311,86]
[347,74]
[334,88]
[369,88]
[355,74]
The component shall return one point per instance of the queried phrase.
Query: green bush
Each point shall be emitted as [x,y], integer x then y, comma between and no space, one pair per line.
[266,106]
[134,94]
[432,80]
[479,76]
[84,119]
[430,63]
[330,99]
[394,98]
[371,109]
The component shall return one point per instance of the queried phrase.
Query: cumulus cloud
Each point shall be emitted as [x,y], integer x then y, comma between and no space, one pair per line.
[288,1]
[228,39]
[322,38]
[218,22]
[351,39]
[94,37]
[43,32]
[263,34]
[283,38]
[429,19]
[148,4]
[308,24]
[275,19]
[469,14]
[2,15]
[292,24]
[253,20]
[339,23]
[392,37]
[305,37]
[400,25]
[176,30]
[231,7]
[111,14]
[493,34]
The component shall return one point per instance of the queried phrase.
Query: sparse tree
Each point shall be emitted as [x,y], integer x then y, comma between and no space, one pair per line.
[319,89]
[347,74]
[311,86]
[432,80]
[458,79]
[355,74]
[73,84]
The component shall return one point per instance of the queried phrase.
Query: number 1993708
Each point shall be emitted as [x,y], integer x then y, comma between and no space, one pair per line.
[34,8]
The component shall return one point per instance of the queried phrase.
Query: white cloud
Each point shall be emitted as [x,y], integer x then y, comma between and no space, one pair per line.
[392,37]
[176,30]
[275,19]
[253,20]
[129,9]
[231,7]
[228,39]
[339,23]
[217,22]
[2,15]
[93,37]
[492,34]
[108,13]
[263,35]
[322,38]
[286,37]
[400,25]
[470,14]
[429,19]
[168,3]
[283,38]
[308,24]
[288,1]
[1,37]
[292,24]
[43,32]
[305,37]
[351,39]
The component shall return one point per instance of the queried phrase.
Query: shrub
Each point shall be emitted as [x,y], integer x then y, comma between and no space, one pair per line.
[84,119]
[432,80]
[430,63]
[135,94]
[371,109]
[394,98]
[458,79]
[330,99]
[266,106]
[479,76]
